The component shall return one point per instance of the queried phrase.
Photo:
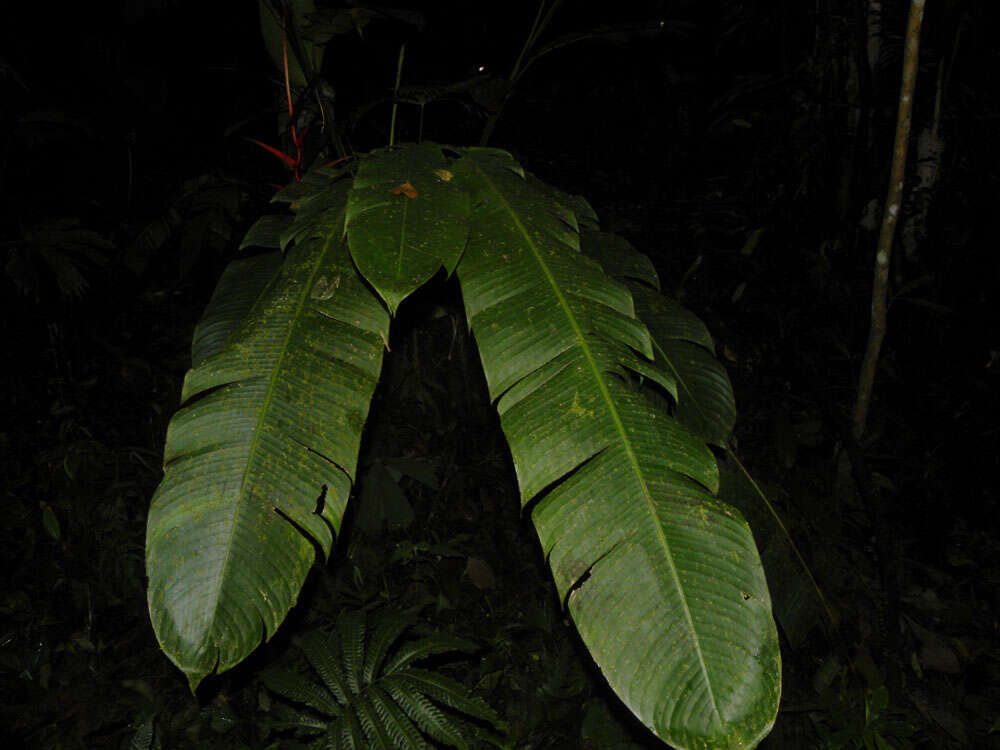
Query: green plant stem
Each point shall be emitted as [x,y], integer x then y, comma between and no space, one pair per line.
[542,19]
[395,94]
[831,613]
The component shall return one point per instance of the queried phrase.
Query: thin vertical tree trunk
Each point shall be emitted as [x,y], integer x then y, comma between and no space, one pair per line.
[893,201]
[876,334]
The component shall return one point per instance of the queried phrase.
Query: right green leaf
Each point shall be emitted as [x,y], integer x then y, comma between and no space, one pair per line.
[705,403]
[663,580]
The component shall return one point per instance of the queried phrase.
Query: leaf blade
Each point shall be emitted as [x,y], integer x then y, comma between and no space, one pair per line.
[405,220]
[622,493]
[254,477]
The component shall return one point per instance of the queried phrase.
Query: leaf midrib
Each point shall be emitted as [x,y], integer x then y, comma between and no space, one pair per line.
[263,411]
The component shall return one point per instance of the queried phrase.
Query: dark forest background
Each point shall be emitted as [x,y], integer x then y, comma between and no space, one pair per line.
[743,145]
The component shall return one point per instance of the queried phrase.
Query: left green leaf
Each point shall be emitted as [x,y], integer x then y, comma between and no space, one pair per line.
[259,461]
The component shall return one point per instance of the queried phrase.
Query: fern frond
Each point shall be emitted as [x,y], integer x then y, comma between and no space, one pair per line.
[301,722]
[375,730]
[352,628]
[403,732]
[292,687]
[431,719]
[448,692]
[347,732]
[373,694]
[321,652]
[385,635]
[425,647]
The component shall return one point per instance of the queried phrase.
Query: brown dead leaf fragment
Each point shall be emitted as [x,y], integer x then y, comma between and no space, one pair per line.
[406,189]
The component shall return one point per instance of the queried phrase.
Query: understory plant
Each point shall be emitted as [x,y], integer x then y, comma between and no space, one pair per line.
[372,694]
[609,396]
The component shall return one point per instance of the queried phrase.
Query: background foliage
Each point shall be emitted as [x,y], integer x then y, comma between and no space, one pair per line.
[724,154]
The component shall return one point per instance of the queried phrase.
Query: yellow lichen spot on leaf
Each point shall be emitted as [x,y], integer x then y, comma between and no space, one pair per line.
[578,409]
[324,288]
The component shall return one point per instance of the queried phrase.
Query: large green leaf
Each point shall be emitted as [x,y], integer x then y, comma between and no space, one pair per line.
[260,459]
[406,219]
[239,287]
[663,581]
[681,342]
